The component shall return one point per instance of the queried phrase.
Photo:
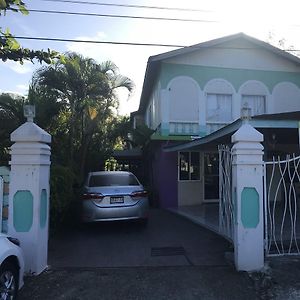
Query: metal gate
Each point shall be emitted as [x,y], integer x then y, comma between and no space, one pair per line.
[226,208]
[281,204]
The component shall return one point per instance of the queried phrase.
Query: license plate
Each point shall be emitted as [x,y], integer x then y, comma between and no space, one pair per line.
[114,200]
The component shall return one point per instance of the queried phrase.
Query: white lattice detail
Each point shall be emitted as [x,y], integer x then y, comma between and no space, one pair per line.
[282,200]
[226,208]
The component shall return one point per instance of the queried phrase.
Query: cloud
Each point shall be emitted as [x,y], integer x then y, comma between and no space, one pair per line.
[22,88]
[13,93]
[27,67]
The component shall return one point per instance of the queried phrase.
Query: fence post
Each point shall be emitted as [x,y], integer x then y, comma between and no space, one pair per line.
[29,194]
[247,192]
[4,174]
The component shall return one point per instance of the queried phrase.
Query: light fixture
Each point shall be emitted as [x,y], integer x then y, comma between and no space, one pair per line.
[29,112]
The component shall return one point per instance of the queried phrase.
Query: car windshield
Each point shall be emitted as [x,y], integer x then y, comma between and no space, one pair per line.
[112,180]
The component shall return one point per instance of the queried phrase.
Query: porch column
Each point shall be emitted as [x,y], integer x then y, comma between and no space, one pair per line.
[165,112]
[29,194]
[247,194]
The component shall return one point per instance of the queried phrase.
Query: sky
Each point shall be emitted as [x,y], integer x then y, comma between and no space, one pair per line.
[258,18]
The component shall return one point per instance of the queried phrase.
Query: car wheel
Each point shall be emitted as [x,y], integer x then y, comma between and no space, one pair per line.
[8,281]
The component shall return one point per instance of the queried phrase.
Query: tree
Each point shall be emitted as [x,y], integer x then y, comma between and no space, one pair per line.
[282,44]
[76,103]
[10,48]
[48,115]
[11,116]
[88,92]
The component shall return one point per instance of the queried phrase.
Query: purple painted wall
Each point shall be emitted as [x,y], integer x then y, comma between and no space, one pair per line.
[164,175]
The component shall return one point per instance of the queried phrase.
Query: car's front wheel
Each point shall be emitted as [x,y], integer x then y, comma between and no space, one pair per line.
[8,281]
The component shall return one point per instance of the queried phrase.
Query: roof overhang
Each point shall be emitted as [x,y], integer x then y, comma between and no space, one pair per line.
[263,123]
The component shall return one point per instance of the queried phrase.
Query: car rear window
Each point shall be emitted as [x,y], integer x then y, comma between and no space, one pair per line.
[112,179]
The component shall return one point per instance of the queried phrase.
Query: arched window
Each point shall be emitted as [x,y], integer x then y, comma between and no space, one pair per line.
[218,108]
[218,104]
[184,100]
[254,95]
[286,97]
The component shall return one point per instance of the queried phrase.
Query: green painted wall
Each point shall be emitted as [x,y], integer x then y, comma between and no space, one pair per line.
[43,209]
[23,211]
[249,207]
[235,76]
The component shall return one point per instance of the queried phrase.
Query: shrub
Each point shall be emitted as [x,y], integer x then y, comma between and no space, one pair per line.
[61,196]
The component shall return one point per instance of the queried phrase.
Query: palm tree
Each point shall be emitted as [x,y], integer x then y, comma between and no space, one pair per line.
[11,116]
[88,91]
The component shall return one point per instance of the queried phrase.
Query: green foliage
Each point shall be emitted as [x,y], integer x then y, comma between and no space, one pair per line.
[11,117]
[141,135]
[86,91]
[61,196]
[111,164]
[10,49]
[13,5]
[76,103]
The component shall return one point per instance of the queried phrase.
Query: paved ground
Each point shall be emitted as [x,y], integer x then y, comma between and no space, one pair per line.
[208,283]
[171,258]
[283,278]
[133,245]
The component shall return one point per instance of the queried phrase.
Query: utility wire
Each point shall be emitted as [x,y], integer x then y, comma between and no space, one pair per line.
[118,16]
[133,43]
[95,42]
[129,5]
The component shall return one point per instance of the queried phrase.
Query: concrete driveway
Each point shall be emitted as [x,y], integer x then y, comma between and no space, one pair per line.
[171,258]
[167,240]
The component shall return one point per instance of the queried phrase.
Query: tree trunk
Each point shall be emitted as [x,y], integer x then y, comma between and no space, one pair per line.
[86,141]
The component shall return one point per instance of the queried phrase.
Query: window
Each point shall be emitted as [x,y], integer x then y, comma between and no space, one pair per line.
[112,180]
[189,166]
[184,100]
[211,176]
[256,103]
[219,108]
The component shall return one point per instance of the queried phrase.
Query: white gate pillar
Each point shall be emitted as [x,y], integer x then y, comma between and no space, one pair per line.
[29,194]
[247,193]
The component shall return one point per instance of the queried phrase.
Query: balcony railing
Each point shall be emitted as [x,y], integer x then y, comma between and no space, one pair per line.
[184,128]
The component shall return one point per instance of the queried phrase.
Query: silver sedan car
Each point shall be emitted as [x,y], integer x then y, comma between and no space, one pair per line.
[113,195]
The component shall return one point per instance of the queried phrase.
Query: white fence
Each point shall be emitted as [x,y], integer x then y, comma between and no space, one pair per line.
[282,202]
[226,205]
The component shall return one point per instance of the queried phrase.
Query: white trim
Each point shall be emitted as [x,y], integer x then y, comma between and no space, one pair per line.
[182,77]
[267,92]
[185,122]
[216,81]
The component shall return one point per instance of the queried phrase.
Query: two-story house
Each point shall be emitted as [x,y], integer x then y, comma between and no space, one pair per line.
[196,94]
